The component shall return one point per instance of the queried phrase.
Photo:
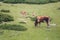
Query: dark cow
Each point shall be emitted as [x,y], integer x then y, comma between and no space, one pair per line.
[41,19]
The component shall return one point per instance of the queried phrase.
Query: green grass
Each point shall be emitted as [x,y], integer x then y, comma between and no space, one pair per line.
[32,33]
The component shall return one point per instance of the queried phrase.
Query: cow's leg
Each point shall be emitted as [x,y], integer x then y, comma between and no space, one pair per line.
[48,23]
[36,23]
[39,24]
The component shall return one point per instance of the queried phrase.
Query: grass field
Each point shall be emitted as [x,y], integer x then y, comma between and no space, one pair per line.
[32,33]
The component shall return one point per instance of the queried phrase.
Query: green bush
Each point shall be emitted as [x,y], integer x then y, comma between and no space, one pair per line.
[30,1]
[13,1]
[44,1]
[3,10]
[7,1]
[51,1]
[58,8]
[5,18]
[1,18]
[1,0]
[13,27]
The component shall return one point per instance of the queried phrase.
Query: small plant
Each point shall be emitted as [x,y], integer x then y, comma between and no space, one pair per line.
[3,10]
[58,8]
[5,18]
[13,27]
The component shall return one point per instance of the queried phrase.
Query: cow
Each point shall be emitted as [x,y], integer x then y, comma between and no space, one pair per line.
[42,19]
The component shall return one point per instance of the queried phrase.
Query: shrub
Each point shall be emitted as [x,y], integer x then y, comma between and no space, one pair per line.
[52,1]
[13,27]
[3,10]
[5,17]
[30,1]
[58,8]
[1,0]
[1,18]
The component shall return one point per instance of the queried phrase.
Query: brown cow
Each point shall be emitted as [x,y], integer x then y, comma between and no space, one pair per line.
[40,19]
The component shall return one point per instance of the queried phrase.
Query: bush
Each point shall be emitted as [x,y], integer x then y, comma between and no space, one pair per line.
[30,1]
[58,8]
[1,18]
[5,18]
[3,10]
[1,0]
[52,1]
[13,27]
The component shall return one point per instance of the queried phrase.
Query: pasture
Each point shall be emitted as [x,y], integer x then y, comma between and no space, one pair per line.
[31,33]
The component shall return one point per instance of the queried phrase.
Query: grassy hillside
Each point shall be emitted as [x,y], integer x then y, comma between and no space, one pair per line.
[32,33]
